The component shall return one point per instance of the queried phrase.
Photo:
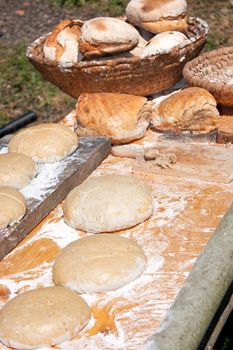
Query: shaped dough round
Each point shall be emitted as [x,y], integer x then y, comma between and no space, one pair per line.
[42,317]
[45,142]
[99,263]
[108,203]
[12,206]
[16,170]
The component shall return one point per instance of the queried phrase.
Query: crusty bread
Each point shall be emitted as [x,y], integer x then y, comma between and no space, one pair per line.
[108,203]
[105,35]
[99,263]
[12,206]
[16,170]
[45,143]
[225,129]
[62,44]
[192,109]
[42,317]
[121,117]
[164,43]
[144,38]
[158,16]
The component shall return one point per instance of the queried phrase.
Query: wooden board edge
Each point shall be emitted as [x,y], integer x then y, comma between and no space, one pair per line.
[33,218]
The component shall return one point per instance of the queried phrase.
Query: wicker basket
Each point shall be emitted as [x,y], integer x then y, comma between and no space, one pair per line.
[126,75]
[212,71]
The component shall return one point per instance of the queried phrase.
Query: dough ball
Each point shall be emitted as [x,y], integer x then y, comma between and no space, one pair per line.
[99,263]
[16,170]
[12,206]
[45,142]
[42,317]
[108,203]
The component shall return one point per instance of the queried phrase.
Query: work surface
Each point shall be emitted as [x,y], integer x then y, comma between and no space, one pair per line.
[187,210]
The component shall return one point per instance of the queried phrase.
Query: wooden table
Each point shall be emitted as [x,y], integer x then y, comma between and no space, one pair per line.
[186,214]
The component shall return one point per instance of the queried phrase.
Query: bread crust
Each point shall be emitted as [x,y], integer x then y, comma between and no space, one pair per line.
[192,109]
[104,35]
[165,25]
[158,16]
[121,117]
[164,43]
[62,43]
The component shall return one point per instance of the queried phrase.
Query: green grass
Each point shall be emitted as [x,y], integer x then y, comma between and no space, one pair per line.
[22,88]
[112,7]
[3,119]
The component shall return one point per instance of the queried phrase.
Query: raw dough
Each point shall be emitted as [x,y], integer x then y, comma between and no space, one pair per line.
[42,317]
[108,203]
[99,263]
[45,142]
[12,206]
[16,170]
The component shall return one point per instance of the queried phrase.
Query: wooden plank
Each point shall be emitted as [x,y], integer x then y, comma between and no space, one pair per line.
[206,162]
[52,184]
[185,216]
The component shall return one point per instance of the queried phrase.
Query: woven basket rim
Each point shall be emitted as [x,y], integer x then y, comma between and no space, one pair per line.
[199,23]
[190,76]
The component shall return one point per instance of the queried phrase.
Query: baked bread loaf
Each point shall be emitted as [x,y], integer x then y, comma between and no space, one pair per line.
[108,203]
[99,263]
[12,207]
[45,143]
[42,317]
[192,109]
[158,16]
[16,170]
[105,35]
[225,129]
[62,44]
[121,117]
[164,43]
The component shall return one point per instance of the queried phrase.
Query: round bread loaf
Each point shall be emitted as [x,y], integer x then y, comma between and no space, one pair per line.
[105,35]
[122,117]
[192,109]
[108,203]
[99,263]
[45,142]
[42,317]
[164,42]
[12,206]
[16,170]
[62,44]
[158,16]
